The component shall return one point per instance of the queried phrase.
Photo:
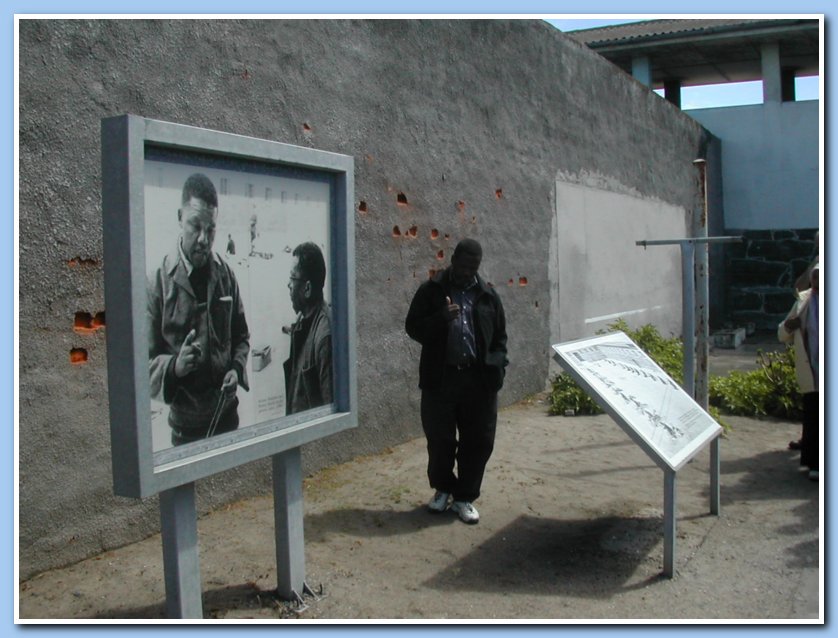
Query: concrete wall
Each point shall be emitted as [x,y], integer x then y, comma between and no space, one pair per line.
[770,174]
[770,163]
[480,125]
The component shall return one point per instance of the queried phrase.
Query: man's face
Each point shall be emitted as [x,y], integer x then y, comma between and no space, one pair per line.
[298,287]
[464,269]
[197,223]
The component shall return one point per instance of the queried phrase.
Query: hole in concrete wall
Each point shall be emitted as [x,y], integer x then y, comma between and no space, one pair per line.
[412,231]
[474,220]
[362,207]
[440,255]
[461,205]
[79,261]
[396,232]
[78,356]
[434,233]
[401,199]
[536,304]
[522,281]
[245,75]
[306,127]
[447,236]
[84,322]
[499,193]
[511,282]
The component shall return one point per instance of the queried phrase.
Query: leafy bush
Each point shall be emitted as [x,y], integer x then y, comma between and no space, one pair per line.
[770,390]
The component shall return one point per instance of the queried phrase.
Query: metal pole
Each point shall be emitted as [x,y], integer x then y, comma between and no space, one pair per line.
[688,314]
[715,472]
[288,524]
[669,507]
[702,295]
[181,570]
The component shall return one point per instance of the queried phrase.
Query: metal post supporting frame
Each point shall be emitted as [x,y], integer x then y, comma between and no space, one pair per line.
[288,523]
[181,569]
[669,511]
[715,473]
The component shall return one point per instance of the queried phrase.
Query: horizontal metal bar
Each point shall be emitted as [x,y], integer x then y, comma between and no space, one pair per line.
[687,240]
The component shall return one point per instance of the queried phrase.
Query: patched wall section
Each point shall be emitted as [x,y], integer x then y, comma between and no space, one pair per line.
[458,128]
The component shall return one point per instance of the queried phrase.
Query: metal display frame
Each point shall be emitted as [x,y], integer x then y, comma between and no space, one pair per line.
[139,471]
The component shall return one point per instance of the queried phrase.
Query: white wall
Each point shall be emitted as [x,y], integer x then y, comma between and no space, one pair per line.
[599,274]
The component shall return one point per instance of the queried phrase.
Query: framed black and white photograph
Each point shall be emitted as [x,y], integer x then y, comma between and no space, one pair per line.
[230,299]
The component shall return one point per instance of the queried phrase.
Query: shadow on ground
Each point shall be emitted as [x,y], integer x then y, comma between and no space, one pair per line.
[577,558]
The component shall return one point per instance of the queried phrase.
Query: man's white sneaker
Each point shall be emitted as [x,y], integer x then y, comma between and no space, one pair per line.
[439,503]
[466,512]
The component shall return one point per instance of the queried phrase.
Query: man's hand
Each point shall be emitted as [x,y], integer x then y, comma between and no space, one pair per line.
[189,356]
[452,310]
[792,324]
[230,383]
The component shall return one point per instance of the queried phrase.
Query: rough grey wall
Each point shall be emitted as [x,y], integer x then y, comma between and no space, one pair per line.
[469,120]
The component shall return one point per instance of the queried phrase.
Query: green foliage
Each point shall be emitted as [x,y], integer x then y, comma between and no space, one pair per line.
[770,390]
[567,395]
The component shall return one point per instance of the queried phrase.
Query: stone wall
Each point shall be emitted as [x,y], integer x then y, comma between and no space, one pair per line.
[457,128]
[761,272]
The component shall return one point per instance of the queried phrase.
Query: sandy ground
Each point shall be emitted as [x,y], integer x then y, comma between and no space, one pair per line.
[571,528]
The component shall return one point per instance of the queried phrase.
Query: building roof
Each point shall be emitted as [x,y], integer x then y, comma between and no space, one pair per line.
[707,51]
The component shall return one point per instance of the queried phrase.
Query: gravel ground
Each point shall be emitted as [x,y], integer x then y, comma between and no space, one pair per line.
[571,529]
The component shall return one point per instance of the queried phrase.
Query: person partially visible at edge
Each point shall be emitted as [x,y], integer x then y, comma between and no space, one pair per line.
[459,320]
[198,334]
[803,282]
[308,370]
[801,328]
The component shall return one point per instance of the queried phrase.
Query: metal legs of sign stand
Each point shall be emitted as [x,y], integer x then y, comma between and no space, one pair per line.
[669,517]
[288,524]
[179,527]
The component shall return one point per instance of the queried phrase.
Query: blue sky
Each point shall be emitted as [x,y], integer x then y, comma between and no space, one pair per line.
[732,94]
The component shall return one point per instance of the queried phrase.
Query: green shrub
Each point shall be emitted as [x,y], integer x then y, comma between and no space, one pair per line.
[770,390]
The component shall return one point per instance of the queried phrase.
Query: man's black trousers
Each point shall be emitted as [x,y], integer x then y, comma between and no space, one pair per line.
[459,420]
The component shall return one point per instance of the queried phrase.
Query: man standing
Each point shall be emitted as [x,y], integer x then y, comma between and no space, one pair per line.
[308,370]
[460,323]
[198,335]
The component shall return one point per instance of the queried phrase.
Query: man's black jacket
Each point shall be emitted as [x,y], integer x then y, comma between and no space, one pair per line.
[427,324]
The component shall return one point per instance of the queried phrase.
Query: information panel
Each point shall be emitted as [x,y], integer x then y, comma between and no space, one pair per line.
[652,409]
